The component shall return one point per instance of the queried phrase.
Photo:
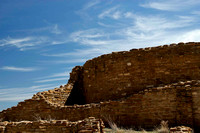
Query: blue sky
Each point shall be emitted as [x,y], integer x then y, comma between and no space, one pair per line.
[41,41]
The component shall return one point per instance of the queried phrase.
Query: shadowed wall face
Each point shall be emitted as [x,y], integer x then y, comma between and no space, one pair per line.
[77,93]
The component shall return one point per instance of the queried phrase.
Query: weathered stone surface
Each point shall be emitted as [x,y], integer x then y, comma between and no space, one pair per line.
[84,126]
[56,96]
[133,70]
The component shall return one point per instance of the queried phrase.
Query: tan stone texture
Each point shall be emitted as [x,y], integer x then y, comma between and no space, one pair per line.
[89,125]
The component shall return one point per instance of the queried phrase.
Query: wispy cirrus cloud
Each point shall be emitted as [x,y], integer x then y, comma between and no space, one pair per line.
[57,42]
[21,93]
[152,27]
[91,4]
[53,28]
[79,52]
[113,13]
[107,25]
[65,61]
[70,61]
[197,12]
[23,43]
[90,33]
[20,69]
[170,5]
[56,75]
[34,41]
[137,31]
[61,76]
[90,37]
[190,36]
[83,12]
[52,79]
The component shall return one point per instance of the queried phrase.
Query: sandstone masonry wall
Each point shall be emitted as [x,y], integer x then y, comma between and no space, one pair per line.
[89,125]
[120,74]
[147,108]
[196,106]
[34,109]
[56,96]
[175,103]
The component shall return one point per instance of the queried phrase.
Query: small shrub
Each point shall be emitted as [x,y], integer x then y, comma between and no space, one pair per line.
[37,117]
[2,119]
[163,127]
[116,129]
[112,125]
[49,118]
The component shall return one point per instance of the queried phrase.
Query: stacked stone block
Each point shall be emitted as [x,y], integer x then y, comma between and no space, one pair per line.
[174,103]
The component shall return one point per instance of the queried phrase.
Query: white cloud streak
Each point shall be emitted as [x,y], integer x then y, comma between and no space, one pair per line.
[23,43]
[65,61]
[91,33]
[33,42]
[137,31]
[83,11]
[20,69]
[153,27]
[89,37]
[70,61]
[195,12]
[79,53]
[50,80]
[113,13]
[170,5]
[190,36]
[63,74]
[21,93]
[55,29]
[91,4]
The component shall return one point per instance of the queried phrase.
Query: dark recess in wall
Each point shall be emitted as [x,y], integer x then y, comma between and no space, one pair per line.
[77,94]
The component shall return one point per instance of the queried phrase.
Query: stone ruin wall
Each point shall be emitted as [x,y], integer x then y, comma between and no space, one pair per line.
[56,96]
[120,74]
[34,109]
[88,125]
[145,107]
[175,103]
